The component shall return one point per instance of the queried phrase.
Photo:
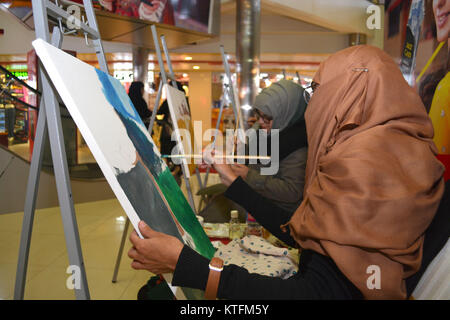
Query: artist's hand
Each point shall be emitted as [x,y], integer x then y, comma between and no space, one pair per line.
[157,252]
[240,170]
[226,174]
[213,159]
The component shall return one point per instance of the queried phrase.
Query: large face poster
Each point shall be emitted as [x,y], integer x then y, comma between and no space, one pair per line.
[123,148]
[431,77]
[188,14]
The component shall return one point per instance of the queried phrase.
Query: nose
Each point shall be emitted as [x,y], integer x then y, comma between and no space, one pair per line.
[261,120]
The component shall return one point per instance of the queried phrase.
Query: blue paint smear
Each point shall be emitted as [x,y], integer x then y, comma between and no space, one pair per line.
[117,97]
[114,93]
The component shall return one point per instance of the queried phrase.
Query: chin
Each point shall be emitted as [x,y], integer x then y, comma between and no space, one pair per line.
[443,35]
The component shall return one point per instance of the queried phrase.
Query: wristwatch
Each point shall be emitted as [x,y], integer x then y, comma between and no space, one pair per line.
[215,269]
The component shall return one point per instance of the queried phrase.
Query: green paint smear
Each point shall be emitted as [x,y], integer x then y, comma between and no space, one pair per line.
[183,211]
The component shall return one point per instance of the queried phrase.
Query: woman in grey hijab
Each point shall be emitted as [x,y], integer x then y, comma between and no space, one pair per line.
[283,102]
[281,106]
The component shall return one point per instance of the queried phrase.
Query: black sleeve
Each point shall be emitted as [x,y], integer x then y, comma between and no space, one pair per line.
[292,138]
[142,108]
[146,112]
[269,215]
[318,278]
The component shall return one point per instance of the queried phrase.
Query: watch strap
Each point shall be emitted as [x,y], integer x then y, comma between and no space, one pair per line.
[215,269]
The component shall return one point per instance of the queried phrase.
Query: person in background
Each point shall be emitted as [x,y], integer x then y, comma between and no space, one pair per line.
[10,112]
[281,106]
[136,93]
[373,186]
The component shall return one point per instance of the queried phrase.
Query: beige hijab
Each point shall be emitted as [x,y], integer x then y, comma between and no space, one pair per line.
[373,183]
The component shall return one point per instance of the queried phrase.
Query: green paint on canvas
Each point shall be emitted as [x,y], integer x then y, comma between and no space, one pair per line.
[184,213]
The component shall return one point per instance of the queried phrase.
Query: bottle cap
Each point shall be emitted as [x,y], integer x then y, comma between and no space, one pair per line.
[234,213]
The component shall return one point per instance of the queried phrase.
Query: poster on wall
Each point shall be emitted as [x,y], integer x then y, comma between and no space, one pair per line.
[430,76]
[188,14]
[432,73]
[123,149]
[413,28]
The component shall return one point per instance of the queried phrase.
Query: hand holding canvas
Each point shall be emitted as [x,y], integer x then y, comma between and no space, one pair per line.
[157,252]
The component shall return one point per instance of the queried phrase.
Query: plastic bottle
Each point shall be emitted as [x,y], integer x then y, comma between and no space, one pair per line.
[234,226]
[253,227]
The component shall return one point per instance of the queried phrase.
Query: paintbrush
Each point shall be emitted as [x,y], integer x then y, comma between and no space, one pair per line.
[216,157]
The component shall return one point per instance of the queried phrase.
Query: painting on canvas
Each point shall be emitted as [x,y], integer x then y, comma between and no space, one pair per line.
[182,125]
[123,148]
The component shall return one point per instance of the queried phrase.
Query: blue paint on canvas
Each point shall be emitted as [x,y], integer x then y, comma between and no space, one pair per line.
[117,97]
[122,104]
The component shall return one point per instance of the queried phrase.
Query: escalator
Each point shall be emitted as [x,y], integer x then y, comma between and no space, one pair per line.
[19,109]
[18,119]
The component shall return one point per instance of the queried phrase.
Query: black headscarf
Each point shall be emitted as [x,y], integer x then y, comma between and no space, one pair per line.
[135,94]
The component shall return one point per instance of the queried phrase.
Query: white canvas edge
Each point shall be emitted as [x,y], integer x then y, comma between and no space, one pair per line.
[41,51]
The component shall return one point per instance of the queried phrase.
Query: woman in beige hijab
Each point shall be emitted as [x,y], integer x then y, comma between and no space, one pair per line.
[373,183]
[373,186]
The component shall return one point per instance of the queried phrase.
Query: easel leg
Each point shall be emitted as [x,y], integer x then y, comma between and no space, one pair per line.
[200,187]
[155,109]
[63,187]
[119,255]
[30,203]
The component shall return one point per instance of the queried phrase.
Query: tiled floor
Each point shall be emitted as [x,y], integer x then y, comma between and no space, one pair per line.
[100,226]
[23,150]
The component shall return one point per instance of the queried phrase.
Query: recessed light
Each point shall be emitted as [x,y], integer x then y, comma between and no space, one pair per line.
[195,67]
[187,58]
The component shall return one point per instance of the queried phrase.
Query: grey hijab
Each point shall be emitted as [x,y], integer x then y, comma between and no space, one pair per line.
[283,101]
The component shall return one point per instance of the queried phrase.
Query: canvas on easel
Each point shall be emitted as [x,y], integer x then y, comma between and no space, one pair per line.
[183,129]
[123,148]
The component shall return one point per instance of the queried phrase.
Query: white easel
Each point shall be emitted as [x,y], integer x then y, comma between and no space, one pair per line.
[229,91]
